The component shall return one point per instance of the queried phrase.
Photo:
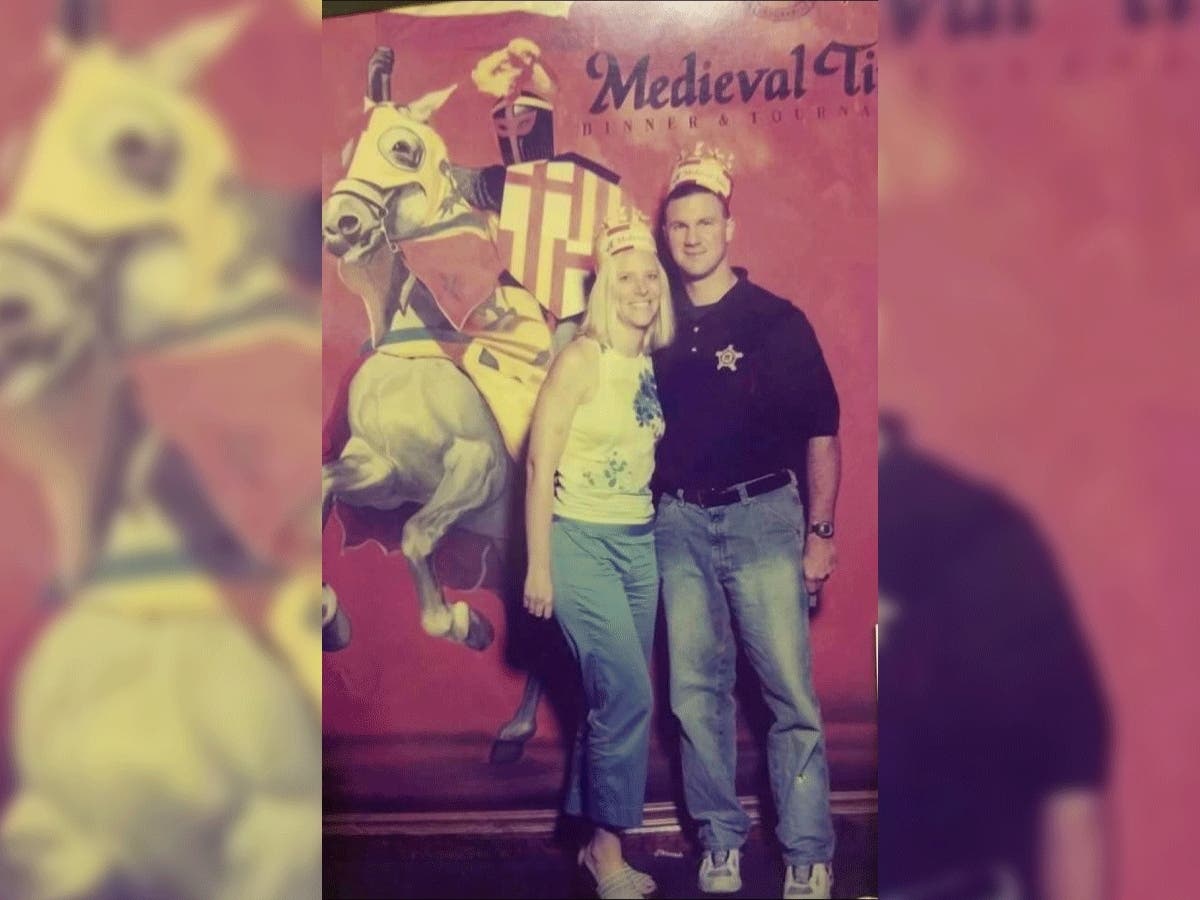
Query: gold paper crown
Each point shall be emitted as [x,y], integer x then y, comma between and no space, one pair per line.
[628,229]
[706,166]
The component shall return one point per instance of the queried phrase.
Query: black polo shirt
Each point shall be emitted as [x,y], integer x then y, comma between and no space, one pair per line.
[989,701]
[743,388]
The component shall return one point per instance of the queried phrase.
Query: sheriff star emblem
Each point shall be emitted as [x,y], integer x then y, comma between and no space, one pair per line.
[727,358]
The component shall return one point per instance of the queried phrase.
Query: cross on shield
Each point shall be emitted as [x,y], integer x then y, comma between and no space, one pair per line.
[549,219]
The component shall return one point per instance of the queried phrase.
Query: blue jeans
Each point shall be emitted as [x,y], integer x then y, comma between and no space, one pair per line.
[743,563]
[605,581]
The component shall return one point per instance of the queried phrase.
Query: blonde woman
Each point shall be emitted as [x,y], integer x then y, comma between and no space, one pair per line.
[589,523]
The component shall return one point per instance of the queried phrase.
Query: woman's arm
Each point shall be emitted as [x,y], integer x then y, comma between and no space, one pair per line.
[571,381]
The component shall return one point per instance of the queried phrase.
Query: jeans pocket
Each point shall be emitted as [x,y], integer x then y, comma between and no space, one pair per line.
[784,509]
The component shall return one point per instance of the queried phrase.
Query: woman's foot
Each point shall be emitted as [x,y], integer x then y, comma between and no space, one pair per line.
[615,878]
[603,857]
[643,881]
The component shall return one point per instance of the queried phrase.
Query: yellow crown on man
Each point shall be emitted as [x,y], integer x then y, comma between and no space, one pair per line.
[706,166]
[628,229]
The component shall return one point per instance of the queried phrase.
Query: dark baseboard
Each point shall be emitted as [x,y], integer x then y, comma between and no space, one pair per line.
[659,818]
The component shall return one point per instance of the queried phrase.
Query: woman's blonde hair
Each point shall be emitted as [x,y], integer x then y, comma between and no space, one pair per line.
[602,311]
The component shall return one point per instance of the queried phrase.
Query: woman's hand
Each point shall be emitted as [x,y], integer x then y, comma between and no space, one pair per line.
[539,594]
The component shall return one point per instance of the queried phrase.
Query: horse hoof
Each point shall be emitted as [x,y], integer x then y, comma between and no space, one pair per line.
[335,624]
[481,634]
[505,752]
[471,628]
[510,741]
[521,731]
[336,635]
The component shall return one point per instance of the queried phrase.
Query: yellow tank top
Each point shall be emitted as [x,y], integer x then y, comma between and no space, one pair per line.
[604,473]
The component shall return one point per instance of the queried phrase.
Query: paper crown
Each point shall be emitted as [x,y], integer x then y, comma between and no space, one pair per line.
[627,230]
[706,166]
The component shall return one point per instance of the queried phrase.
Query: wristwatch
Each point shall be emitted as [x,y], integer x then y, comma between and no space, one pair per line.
[821,529]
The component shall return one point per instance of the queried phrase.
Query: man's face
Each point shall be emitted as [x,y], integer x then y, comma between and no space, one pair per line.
[698,234]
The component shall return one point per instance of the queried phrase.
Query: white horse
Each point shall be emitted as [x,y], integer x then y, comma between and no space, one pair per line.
[159,749]
[439,411]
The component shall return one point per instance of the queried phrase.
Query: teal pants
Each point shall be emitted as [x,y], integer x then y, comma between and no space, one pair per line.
[605,580]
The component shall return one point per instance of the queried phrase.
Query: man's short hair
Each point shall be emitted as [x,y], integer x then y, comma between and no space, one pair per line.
[687,188]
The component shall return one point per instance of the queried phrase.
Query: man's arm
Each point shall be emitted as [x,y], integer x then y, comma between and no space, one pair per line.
[824,474]
[805,396]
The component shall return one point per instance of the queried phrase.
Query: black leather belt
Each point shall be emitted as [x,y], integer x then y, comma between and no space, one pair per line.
[707,497]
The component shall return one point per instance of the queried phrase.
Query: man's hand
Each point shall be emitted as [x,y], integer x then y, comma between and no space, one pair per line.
[539,594]
[820,559]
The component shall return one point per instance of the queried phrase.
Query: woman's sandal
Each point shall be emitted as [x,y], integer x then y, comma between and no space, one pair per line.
[628,878]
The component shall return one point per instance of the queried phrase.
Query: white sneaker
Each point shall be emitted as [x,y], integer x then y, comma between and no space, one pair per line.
[720,872]
[807,882]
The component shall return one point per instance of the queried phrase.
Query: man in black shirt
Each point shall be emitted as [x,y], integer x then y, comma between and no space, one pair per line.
[751,443]
[993,728]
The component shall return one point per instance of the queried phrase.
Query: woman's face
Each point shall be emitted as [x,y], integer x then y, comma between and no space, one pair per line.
[637,288]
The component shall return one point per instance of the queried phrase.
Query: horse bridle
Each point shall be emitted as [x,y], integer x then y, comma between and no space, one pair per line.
[56,244]
[375,199]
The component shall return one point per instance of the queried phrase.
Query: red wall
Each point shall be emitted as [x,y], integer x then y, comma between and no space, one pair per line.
[1038,327]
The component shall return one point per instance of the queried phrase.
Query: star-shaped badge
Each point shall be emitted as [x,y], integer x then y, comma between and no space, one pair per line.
[727,358]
